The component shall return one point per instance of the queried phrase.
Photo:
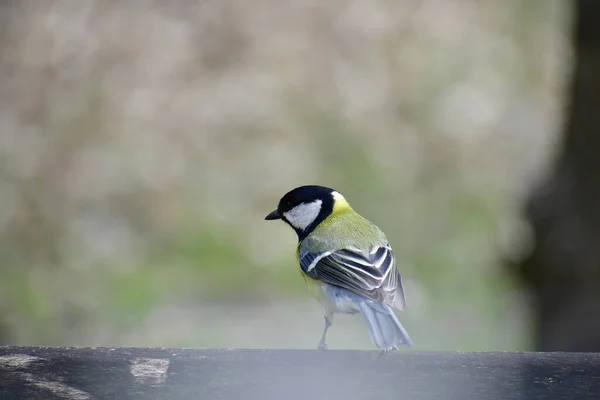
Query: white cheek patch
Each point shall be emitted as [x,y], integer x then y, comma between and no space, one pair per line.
[301,216]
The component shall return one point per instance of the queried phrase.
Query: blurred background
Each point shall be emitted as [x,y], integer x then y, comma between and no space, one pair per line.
[142,144]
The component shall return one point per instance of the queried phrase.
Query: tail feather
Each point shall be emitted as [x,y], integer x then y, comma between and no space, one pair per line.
[386,331]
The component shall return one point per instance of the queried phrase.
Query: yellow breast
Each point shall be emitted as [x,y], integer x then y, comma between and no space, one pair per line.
[316,289]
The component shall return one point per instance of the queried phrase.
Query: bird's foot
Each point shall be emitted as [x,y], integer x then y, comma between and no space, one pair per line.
[383,354]
[322,346]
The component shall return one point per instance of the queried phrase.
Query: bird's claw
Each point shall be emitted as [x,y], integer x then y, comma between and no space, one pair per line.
[383,354]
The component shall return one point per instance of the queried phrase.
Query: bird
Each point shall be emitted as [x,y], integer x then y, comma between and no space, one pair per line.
[346,261]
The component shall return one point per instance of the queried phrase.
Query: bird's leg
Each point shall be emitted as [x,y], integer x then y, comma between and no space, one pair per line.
[328,321]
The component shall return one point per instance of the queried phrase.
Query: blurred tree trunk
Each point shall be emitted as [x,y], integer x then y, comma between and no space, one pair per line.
[563,269]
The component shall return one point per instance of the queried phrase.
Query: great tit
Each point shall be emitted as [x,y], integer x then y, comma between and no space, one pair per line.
[346,261]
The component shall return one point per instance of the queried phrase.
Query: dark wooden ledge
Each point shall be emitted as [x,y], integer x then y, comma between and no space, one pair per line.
[177,374]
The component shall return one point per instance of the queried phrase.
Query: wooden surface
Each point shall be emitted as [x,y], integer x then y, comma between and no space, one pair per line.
[177,374]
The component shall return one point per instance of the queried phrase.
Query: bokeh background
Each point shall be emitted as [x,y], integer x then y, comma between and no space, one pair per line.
[142,144]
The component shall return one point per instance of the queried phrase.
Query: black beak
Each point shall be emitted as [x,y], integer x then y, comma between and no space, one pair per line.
[274,215]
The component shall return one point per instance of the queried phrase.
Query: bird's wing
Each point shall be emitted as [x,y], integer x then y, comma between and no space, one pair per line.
[372,274]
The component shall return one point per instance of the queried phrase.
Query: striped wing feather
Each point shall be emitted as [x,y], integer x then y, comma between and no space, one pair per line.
[370,274]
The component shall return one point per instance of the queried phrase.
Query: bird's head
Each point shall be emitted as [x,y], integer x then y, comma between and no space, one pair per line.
[305,207]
